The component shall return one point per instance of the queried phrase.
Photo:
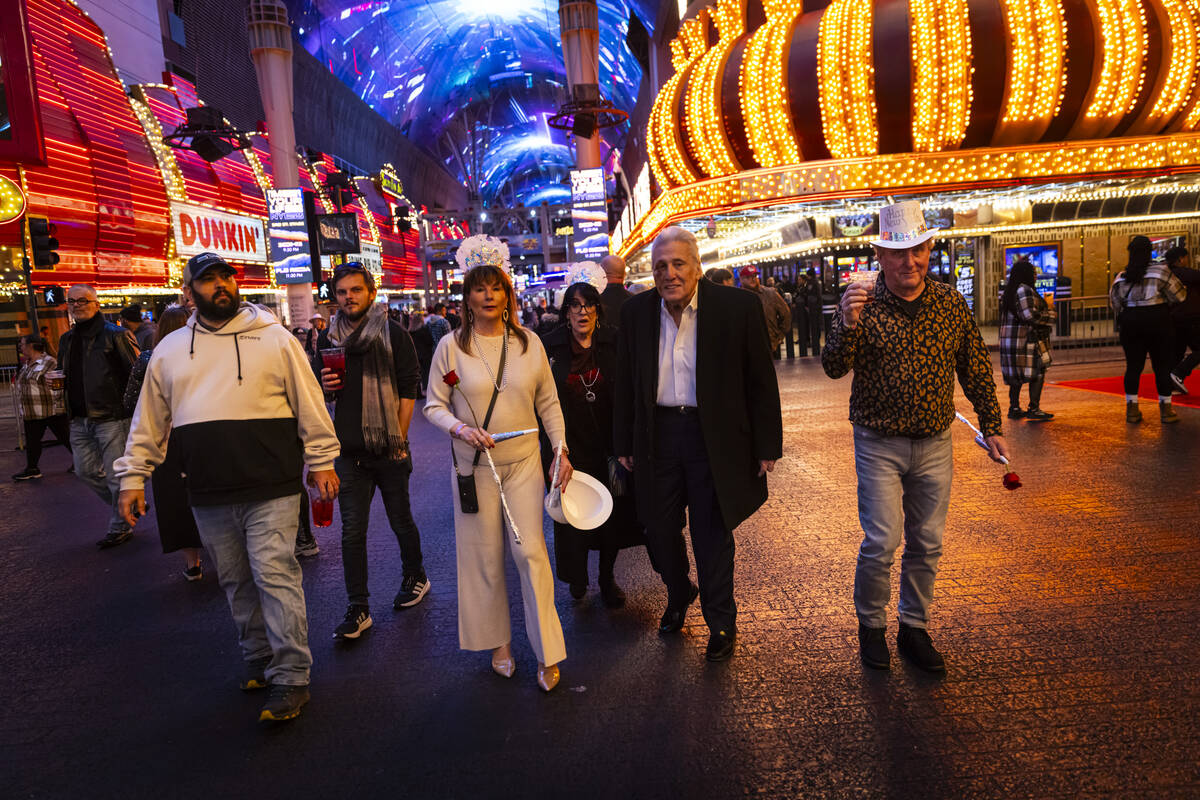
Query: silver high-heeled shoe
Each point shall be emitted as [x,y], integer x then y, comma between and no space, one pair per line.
[504,667]
[548,677]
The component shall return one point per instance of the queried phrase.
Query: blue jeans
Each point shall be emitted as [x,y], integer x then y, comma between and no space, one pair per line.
[359,475]
[94,447]
[903,488]
[252,546]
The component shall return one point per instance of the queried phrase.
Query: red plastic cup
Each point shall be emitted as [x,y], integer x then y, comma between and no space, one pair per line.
[334,359]
[322,510]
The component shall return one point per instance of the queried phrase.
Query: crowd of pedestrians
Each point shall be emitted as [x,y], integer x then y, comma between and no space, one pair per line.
[667,398]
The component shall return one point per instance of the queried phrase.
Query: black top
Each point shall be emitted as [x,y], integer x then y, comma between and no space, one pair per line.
[76,397]
[612,298]
[911,307]
[406,377]
[422,339]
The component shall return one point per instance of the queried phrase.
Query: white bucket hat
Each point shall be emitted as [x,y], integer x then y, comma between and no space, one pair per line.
[585,504]
[902,225]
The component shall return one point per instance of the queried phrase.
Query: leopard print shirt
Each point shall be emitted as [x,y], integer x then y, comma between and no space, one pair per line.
[904,366]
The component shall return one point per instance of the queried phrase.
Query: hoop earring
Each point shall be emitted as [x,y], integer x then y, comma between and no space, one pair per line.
[470,316]
[504,315]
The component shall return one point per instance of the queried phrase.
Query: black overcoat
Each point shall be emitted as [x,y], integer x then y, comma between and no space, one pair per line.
[736,392]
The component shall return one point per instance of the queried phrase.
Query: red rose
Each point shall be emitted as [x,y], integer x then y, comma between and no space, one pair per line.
[451,378]
[1012,481]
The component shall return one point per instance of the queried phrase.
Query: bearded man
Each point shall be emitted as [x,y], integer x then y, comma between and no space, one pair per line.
[375,398]
[249,416]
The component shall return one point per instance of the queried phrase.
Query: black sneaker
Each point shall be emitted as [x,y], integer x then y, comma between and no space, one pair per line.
[114,539]
[413,589]
[255,677]
[1178,381]
[284,703]
[28,474]
[872,647]
[1016,413]
[1037,415]
[307,547]
[915,645]
[194,573]
[358,619]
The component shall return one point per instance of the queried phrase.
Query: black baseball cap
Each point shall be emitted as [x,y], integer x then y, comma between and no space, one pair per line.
[199,264]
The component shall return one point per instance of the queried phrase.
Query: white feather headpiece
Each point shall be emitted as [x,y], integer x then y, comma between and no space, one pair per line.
[586,272]
[480,250]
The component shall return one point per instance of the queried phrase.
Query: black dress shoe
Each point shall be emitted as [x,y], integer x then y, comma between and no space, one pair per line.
[578,590]
[872,647]
[672,619]
[611,594]
[916,646]
[720,645]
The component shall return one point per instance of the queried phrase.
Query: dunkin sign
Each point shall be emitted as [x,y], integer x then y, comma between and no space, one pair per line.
[234,237]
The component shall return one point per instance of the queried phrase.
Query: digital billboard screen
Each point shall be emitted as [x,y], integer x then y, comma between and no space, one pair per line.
[338,232]
[291,255]
[589,214]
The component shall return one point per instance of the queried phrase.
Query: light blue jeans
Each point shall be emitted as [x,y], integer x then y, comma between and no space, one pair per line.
[94,448]
[903,488]
[253,547]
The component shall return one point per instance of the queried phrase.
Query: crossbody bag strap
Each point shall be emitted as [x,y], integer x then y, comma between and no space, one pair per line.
[487,418]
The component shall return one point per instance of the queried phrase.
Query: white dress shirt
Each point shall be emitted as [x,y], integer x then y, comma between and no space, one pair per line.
[677,355]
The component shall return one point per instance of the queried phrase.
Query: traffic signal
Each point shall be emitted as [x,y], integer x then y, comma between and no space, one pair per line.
[42,243]
[53,295]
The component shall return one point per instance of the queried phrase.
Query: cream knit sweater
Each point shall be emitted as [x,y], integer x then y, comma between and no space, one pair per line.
[527,394]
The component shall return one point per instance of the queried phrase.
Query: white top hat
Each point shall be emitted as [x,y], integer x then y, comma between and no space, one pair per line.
[585,504]
[902,225]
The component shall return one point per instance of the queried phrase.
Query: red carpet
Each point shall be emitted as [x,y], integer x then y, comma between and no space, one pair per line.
[1116,385]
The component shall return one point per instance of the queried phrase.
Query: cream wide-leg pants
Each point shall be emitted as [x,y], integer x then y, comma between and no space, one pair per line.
[483,615]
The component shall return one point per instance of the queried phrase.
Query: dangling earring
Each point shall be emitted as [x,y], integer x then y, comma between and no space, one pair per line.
[470,316]
[504,316]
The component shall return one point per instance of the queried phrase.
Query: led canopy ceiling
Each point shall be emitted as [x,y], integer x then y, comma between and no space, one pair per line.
[474,81]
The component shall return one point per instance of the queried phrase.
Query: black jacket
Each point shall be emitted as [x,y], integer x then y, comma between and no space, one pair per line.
[108,355]
[582,433]
[736,391]
[613,298]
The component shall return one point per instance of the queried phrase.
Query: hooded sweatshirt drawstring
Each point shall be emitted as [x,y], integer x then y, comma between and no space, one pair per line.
[237,350]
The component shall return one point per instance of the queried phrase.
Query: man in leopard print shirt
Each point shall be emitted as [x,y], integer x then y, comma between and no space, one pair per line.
[906,338]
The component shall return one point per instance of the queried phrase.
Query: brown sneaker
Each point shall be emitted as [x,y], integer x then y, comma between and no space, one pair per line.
[1166,412]
[1132,414]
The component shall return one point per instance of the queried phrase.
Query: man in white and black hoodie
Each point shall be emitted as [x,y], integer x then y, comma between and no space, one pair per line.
[247,411]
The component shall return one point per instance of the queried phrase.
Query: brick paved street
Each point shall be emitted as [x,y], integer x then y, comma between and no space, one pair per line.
[1067,610]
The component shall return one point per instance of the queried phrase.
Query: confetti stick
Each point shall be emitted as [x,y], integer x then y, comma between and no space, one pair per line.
[979,439]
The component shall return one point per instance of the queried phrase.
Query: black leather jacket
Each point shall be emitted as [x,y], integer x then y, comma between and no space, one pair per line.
[108,356]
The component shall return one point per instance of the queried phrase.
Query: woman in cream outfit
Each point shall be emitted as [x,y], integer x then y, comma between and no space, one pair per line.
[527,389]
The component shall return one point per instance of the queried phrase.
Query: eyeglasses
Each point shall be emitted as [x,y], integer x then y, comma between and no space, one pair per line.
[582,308]
[82,301]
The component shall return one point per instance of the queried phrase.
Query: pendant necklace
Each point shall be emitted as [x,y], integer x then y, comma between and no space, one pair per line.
[503,382]
[588,394]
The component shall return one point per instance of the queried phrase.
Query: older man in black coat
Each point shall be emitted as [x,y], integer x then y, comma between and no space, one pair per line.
[697,419]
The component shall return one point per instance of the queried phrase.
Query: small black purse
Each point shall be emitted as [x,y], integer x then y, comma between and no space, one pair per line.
[468,497]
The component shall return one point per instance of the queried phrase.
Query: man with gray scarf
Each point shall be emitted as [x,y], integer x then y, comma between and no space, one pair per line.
[374,406]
